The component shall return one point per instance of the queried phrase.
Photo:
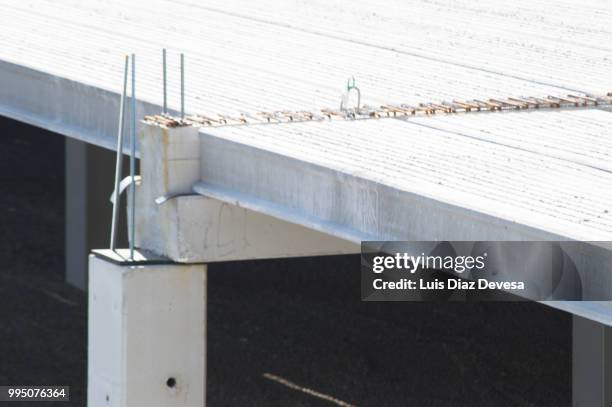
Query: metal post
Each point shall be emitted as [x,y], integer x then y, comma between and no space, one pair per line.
[182,86]
[133,160]
[118,165]
[165,111]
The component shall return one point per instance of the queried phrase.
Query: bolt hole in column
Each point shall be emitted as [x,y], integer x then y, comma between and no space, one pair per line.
[171,382]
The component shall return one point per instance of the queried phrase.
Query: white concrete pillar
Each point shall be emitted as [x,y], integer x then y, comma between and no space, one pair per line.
[90,171]
[591,364]
[147,333]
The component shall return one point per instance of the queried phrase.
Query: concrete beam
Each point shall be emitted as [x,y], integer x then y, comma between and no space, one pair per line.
[147,327]
[86,113]
[368,207]
[174,222]
[192,229]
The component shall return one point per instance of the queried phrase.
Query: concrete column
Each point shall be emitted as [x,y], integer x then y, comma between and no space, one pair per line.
[591,364]
[90,171]
[147,327]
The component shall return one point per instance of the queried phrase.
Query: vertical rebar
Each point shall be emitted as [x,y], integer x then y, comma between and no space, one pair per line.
[119,162]
[133,161]
[164,80]
[182,86]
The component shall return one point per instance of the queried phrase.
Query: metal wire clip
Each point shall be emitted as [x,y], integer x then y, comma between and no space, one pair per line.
[350,86]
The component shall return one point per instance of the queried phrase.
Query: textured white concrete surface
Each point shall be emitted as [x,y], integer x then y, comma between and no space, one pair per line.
[298,54]
[137,345]
[244,56]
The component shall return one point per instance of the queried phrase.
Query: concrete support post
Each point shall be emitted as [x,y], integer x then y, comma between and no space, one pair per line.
[591,364]
[147,333]
[89,180]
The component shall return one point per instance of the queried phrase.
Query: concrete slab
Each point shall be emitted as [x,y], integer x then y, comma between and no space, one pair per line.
[267,56]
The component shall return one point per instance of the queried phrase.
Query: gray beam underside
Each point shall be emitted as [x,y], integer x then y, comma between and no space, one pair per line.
[355,209]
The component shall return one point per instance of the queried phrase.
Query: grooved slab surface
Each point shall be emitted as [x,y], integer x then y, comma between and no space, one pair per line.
[546,170]
[246,56]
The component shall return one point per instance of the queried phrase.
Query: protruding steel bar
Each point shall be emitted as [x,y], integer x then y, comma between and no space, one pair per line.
[119,162]
[182,86]
[133,161]
[165,111]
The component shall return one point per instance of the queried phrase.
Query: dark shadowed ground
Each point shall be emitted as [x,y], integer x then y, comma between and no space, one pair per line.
[300,320]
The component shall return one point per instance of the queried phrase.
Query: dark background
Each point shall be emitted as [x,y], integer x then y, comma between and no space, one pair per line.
[300,319]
